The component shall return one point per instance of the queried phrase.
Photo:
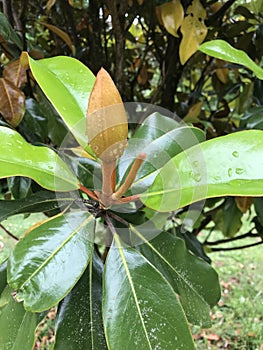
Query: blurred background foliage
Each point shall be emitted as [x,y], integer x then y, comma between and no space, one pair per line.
[150,49]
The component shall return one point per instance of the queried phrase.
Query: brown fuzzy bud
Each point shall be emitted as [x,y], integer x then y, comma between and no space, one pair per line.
[107,127]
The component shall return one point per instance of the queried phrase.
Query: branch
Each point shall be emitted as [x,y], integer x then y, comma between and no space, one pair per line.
[9,233]
[219,14]
[224,241]
[236,248]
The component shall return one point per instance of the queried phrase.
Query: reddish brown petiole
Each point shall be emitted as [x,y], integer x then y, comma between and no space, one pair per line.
[108,197]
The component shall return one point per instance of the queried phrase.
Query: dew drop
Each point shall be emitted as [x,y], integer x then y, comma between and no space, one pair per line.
[239,171]
[217,178]
[230,172]
[235,154]
[195,163]
[197,177]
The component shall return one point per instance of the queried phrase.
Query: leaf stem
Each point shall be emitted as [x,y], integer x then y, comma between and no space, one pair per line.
[88,192]
[130,177]
[108,185]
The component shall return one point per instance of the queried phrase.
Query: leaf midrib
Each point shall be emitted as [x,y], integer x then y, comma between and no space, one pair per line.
[51,256]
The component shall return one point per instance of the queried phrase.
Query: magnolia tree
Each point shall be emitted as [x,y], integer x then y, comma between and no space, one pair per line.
[106,254]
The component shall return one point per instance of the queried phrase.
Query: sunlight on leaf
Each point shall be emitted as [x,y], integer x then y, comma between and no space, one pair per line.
[193,30]
[224,51]
[192,175]
[42,164]
[172,15]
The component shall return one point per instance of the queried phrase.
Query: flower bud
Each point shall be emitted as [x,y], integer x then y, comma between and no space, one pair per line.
[107,127]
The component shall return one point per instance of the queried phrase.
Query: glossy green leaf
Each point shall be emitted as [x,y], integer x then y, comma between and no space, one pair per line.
[161,139]
[79,322]
[192,278]
[39,202]
[42,164]
[17,326]
[230,165]
[224,51]
[67,83]
[140,308]
[19,186]
[50,259]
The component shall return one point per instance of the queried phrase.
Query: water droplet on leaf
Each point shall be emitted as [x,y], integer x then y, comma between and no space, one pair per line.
[239,171]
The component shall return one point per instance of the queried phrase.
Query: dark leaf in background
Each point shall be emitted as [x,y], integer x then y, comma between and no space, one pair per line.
[40,202]
[19,186]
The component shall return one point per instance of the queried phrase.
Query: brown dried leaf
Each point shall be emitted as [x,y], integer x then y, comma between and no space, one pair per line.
[63,35]
[12,102]
[193,113]
[50,4]
[221,72]
[15,73]
[244,203]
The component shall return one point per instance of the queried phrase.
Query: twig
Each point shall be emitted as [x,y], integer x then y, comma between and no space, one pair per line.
[224,241]
[236,248]
[9,233]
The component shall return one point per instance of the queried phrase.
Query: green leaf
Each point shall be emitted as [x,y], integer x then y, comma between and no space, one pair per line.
[19,186]
[67,83]
[79,323]
[39,202]
[8,33]
[19,325]
[140,308]
[34,123]
[161,138]
[224,51]
[192,278]
[230,165]
[19,158]
[49,260]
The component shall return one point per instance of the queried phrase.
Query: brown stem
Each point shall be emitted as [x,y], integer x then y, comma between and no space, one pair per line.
[88,192]
[108,171]
[131,176]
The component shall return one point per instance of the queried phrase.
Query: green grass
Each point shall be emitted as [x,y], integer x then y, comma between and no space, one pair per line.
[237,320]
